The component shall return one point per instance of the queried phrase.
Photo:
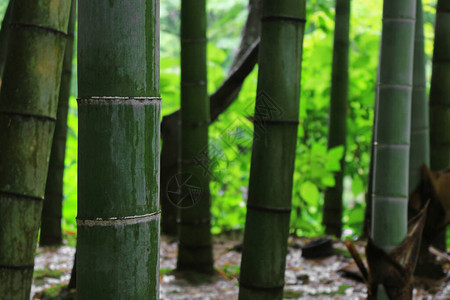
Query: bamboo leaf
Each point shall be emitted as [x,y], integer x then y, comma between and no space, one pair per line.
[310,193]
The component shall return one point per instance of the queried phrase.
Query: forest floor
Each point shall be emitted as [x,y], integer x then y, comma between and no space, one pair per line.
[305,278]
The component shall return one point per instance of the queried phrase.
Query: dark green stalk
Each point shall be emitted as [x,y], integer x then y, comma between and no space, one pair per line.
[392,124]
[118,149]
[274,141]
[368,209]
[420,133]
[337,127]
[195,244]
[440,96]
[392,127]
[170,166]
[440,90]
[51,233]
[368,197]
[4,36]
[28,104]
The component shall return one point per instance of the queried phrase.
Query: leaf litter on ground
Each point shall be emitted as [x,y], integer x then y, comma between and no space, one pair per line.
[305,278]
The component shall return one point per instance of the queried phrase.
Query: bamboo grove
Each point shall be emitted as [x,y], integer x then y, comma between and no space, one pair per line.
[141,173]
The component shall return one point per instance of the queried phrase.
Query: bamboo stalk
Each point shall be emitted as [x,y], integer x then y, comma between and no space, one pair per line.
[440,90]
[337,127]
[51,233]
[274,142]
[392,125]
[440,98]
[118,158]
[195,243]
[28,103]
[420,131]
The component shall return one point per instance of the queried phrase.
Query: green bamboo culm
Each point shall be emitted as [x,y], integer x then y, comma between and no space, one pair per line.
[4,36]
[51,233]
[440,99]
[392,124]
[274,142]
[28,105]
[118,149]
[440,90]
[337,127]
[420,132]
[420,136]
[194,222]
[368,209]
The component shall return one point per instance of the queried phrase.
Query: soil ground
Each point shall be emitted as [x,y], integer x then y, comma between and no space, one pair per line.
[305,278]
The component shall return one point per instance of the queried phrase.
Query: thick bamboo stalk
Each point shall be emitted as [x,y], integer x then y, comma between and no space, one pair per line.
[28,104]
[420,133]
[392,124]
[337,127]
[440,97]
[118,158]
[275,137]
[51,233]
[195,244]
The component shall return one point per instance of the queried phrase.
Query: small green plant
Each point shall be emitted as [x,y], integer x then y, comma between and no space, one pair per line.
[39,274]
[57,292]
[229,271]
[165,271]
[290,294]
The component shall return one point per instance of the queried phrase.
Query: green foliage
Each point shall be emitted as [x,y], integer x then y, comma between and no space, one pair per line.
[230,271]
[57,292]
[3,6]
[165,271]
[231,135]
[39,274]
[290,294]
[70,171]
